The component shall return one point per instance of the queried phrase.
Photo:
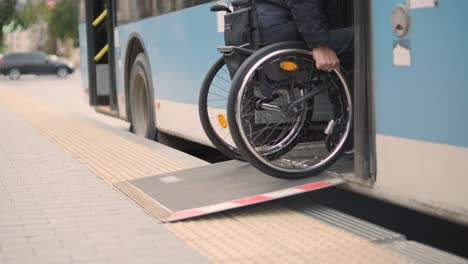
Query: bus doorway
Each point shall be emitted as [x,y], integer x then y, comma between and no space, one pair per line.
[364,131]
[357,15]
[100,23]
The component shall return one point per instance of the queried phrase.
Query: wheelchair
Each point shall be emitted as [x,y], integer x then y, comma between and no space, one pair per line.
[213,96]
[274,117]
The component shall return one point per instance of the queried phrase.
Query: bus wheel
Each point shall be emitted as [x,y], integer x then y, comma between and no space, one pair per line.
[142,114]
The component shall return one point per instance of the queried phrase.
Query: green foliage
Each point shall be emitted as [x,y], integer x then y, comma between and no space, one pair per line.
[7,11]
[7,15]
[22,19]
[31,13]
[63,22]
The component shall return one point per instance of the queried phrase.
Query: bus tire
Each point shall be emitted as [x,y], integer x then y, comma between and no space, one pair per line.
[141,99]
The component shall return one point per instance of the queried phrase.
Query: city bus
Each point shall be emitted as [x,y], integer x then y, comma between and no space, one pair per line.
[144,61]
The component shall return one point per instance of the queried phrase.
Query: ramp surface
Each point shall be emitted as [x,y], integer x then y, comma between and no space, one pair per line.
[214,188]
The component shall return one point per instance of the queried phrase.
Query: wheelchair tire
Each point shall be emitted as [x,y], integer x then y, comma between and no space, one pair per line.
[217,78]
[248,149]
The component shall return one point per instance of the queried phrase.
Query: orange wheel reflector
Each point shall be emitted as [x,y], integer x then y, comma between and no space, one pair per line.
[288,66]
[222,121]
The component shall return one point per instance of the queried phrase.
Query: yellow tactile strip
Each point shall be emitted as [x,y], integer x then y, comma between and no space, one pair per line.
[260,234]
[108,155]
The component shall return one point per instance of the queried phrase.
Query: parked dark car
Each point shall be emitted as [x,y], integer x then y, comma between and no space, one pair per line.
[15,64]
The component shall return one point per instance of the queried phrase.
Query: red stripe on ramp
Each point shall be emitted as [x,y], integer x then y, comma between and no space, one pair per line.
[313,186]
[187,214]
[252,200]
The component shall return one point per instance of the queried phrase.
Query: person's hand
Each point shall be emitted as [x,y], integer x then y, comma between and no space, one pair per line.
[325,58]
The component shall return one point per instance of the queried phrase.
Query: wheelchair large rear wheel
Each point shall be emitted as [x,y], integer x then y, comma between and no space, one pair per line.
[271,115]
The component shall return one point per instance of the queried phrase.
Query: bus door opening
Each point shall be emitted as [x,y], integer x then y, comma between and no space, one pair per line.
[100,23]
[342,14]
[364,113]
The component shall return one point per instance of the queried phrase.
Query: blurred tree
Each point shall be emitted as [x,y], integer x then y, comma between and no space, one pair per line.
[32,13]
[62,19]
[63,22]
[7,15]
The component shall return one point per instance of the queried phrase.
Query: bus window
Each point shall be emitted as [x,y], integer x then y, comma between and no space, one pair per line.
[132,11]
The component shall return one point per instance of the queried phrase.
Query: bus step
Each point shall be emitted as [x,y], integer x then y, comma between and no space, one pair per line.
[396,242]
[214,188]
[364,229]
[424,254]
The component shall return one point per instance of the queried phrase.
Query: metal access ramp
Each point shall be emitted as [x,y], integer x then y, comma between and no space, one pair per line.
[213,188]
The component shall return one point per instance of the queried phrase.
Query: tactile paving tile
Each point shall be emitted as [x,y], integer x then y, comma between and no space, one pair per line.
[110,156]
[274,234]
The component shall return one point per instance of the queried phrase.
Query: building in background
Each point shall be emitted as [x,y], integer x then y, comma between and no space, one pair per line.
[18,41]
[35,37]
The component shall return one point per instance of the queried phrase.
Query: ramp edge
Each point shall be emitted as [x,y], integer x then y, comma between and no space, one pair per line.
[256,199]
[146,202]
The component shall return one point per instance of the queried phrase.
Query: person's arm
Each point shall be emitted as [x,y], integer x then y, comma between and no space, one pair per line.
[312,23]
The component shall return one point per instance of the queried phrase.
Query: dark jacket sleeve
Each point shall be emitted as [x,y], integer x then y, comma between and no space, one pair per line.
[311,21]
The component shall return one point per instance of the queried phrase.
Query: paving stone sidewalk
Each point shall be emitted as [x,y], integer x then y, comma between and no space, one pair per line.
[53,209]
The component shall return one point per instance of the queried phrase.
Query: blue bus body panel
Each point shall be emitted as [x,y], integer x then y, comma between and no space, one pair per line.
[83,56]
[181,47]
[426,101]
